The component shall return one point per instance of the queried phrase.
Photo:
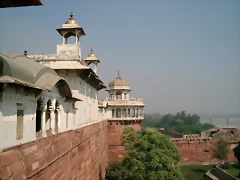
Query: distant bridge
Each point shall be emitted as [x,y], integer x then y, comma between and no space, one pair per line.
[224,119]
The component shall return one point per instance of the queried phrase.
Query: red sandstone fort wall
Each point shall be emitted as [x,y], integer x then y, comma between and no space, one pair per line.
[115,147]
[76,154]
[198,151]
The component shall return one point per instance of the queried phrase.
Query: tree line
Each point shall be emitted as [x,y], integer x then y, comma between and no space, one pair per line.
[181,122]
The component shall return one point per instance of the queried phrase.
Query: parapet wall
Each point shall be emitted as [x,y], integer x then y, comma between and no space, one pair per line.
[169,133]
[75,154]
[201,150]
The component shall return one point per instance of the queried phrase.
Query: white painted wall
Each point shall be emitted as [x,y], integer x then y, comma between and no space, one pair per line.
[8,122]
[9,118]
[87,111]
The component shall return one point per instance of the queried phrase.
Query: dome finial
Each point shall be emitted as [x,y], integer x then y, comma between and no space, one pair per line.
[71,15]
[118,73]
[91,50]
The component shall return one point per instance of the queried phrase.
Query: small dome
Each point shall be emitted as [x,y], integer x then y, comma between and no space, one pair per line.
[118,82]
[91,54]
[71,20]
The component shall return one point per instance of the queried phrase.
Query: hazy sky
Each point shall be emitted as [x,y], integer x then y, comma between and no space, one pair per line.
[176,54]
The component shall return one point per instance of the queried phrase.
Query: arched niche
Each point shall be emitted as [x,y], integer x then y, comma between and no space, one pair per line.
[118,95]
[39,114]
[118,113]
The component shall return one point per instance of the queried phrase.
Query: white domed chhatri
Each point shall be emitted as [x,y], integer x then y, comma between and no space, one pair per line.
[120,105]
[91,58]
[118,83]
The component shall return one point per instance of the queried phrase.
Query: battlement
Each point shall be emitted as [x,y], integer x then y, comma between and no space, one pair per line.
[44,57]
[131,102]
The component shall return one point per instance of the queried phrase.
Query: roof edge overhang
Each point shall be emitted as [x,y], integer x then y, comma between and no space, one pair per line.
[88,61]
[89,76]
[11,80]
[126,105]
[113,89]
[17,3]
[59,30]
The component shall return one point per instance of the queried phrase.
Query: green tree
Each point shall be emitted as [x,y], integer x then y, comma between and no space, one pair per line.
[222,150]
[149,155]
[236,151]
[181,122]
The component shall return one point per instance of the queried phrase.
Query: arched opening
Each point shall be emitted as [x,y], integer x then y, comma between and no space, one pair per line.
[125,96]
[70,38]
[124,113]
[112,113]
[132,112]
[118,95]
[39,115]
[48,121]
[140,112]
[56,114]
[118,113]
[1,67]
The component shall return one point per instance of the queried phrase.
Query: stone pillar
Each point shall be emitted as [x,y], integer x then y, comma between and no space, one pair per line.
[59,119]
[74,121]
[76,39]
[95,68]
[52,116]
[63,40]
[43,121]
[52,120]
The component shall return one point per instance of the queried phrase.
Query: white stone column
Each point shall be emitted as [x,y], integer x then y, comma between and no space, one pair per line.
[74,121]
[52,116]
[63,40]
[95,68]
[59,119]
[43,121]
[52,120]
[76,39]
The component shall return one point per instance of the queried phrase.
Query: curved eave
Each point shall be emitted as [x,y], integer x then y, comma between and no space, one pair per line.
[17,3]
[88,61]
[126,105]
[66,89]
[94,80]
[110,89]
[11,80]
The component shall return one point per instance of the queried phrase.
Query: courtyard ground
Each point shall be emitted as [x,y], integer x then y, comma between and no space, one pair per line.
[195,172]
[233,170]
